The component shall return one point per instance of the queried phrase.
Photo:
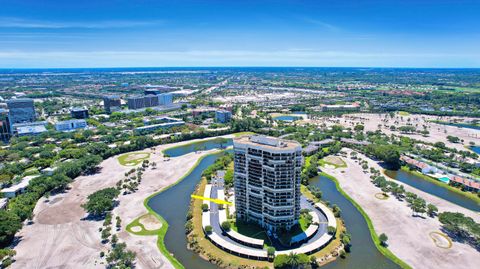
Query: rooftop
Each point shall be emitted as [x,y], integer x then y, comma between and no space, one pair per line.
[268,142]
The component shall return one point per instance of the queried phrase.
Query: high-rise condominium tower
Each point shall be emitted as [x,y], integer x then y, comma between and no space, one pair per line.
[267,181]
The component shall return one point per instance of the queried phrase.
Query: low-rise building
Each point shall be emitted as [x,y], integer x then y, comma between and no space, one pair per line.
[29,128]
[16,189]
[70,125]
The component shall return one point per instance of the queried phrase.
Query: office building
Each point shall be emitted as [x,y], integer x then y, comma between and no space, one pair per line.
[79,113]
[135,102]
[139,102]
[151,100]
[223,116]
[165,99]
[20,111]
[70,125]
[29,128]
[4,125]
[267,181]
[112,104]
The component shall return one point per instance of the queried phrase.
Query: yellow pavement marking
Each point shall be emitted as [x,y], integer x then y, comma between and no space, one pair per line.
[217,201]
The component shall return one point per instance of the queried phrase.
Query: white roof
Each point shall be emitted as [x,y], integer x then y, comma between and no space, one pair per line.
[253,252]
[242,238]
[328,213]
[23,184]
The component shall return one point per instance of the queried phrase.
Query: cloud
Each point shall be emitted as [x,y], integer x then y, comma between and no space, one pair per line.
[9,22]
[321,24]
[295,57]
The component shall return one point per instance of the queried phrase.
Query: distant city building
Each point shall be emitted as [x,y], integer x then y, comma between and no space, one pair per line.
[165,99]
[152,92]
[20,111]
[139,102]
[5,133]
[29,128]
[223,116]
[345,107]
[70,125]
[79,113]
[202,110]
[135,102]
[267,181]
[112,104]
[151,100]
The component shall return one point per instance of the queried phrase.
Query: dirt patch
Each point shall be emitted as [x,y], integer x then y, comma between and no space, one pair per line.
[150,222]
[441,240]
[64,213]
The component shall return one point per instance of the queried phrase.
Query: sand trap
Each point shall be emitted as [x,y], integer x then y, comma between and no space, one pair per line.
[150,222]
[335,160]
[136,229]
[381,196]
[135,156]
[440,240]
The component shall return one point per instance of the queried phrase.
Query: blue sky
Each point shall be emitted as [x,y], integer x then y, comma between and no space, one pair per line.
[124,33]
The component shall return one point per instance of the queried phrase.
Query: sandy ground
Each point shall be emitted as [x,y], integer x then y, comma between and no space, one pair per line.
[408,237]
[438,132]
[59,238]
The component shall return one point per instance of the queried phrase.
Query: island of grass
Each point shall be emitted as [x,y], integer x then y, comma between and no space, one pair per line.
[133,158]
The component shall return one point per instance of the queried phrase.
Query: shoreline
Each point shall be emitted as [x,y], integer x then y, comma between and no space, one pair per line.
[468,195]
[385,251]
[163,230]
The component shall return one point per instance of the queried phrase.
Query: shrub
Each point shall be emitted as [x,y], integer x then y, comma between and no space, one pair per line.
[226,226]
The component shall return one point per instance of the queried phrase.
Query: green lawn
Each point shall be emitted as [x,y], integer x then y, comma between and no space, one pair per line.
[403,113]
[133,158]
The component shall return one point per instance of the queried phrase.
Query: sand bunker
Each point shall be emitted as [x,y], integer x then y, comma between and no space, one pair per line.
[136,229]
[440,240]
[150,222]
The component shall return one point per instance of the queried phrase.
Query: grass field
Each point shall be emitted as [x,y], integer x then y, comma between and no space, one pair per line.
[133,158]
[403,113]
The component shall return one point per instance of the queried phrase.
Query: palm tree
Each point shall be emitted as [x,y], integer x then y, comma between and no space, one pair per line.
[293,260]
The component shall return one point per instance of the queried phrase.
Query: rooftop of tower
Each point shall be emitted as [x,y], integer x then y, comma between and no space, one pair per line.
[268,142]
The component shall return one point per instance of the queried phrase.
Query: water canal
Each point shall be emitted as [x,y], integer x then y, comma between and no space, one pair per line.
[173,204]
[432,188]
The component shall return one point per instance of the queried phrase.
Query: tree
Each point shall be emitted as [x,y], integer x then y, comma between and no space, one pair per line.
[358,128]
[204,207]
[383,239]
[99,202]
[432,210]
[208,229]
[419,205]
[331,230]
[9,225]
[271,251]
[226,226]
[119,257]
[453,139]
